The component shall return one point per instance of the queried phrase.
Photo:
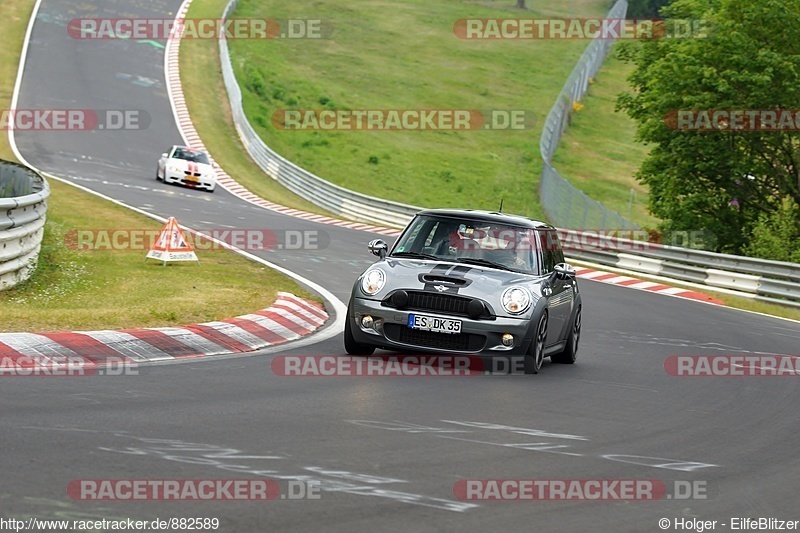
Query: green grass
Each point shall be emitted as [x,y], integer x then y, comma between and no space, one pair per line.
[74,290]
[598,154]
[207,100]
[13,25]
[404,55]
[80,290]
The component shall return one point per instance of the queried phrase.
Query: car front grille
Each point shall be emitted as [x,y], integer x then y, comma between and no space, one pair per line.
[440,303]
[464,342]
[443,303]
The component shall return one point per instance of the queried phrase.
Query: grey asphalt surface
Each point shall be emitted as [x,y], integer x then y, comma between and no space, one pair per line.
[387,451]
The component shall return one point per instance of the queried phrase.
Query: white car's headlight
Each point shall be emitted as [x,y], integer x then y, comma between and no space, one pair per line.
[173,168]
[516,300]
[373,281]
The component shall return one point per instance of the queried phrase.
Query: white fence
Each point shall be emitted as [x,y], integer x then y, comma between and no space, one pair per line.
[566,206]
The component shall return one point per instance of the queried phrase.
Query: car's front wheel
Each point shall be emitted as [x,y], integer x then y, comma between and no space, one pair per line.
[350,345]
[570,353]
[535,355]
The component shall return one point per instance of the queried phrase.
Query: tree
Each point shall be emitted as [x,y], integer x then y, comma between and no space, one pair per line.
[638,9]
[521,4]
[722,180]
[776,235]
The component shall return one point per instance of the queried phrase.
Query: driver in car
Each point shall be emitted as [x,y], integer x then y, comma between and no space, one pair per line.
[510,253]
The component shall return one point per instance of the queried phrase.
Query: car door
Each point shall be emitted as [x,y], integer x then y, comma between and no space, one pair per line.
[559,292]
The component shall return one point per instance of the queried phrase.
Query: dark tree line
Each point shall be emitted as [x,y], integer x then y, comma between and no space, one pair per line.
[741,184]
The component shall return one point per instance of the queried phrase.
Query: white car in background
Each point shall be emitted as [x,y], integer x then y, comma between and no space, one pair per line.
[188,167]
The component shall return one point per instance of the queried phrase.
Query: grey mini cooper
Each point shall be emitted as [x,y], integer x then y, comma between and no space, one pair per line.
[468,282]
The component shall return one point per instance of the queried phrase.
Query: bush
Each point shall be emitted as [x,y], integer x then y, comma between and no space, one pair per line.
[776,235]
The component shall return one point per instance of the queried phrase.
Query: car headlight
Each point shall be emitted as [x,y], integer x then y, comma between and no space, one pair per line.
[373,281]
[516,300]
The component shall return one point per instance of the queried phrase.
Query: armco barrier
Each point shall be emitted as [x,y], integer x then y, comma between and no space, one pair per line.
[760,279]
[338,200]
[23,206]
[565,205]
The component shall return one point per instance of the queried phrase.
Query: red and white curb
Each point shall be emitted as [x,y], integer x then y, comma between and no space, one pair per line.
[192,138]
[651,286]
[289,318]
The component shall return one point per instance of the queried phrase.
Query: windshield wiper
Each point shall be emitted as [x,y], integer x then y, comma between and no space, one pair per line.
[416,254]
[484,262]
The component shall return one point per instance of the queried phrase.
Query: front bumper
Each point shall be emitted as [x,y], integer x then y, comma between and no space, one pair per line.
[478,336]
[195,182]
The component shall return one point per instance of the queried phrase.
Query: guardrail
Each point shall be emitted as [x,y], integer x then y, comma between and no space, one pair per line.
[338,200]
[23,207]
[565,205]
[756,278]
[760,279]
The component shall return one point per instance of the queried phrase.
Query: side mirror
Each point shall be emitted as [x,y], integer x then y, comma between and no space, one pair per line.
[164,155]
[378,247]
[564,271]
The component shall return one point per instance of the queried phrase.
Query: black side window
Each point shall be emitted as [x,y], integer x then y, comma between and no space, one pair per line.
[552,254]
[558,252]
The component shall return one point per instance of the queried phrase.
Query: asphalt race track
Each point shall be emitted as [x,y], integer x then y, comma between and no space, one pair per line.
[385,452]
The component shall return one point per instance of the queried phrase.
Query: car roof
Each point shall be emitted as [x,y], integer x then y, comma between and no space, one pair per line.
[188,148]
[487,216]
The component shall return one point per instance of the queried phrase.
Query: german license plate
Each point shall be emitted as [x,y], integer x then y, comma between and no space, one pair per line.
[434,323]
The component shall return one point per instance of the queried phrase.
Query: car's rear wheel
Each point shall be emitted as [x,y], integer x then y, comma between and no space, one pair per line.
[570,353]
[535,355]
[350,345]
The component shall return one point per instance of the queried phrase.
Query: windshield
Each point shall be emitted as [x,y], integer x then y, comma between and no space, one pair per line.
[469,241]
[190,155]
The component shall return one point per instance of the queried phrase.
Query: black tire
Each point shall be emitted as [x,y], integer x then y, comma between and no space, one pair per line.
[535,355]
[570,353]
[350,344]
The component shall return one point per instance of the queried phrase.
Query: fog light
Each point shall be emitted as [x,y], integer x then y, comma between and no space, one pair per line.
[366,321]
[508,339]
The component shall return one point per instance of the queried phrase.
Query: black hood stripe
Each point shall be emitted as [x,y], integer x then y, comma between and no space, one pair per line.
[447,271]
[460,271]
